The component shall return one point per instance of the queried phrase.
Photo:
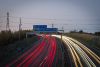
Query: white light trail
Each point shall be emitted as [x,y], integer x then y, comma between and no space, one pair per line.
[79,52]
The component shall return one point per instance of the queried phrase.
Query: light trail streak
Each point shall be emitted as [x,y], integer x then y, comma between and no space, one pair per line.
[74,58]
[87,50]
[87,60]
[76,54]
[27,61]
[49,51]
[39,56]
[79,51]
[51,54]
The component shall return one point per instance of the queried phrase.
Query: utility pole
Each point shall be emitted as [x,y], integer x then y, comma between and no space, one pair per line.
[7,25]
[62,29]
[52,25]
[62,33]
[20,24]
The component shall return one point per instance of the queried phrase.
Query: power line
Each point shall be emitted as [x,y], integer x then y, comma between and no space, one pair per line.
[40,19]
[56,19]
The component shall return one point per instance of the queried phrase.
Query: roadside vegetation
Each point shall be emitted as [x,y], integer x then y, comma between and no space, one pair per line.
[8,37]
[11,47]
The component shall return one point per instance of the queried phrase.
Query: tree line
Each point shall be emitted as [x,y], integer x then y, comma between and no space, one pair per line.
[8,37]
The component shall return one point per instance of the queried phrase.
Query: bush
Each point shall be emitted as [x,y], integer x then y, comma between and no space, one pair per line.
[97,33]
[81,31]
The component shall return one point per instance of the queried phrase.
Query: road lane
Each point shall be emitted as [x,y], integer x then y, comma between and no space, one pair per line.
[60,54]
[51,52]
[42,56]
[80,53]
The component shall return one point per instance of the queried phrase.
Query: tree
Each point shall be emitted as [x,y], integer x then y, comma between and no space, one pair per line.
[97,33]
[81,31]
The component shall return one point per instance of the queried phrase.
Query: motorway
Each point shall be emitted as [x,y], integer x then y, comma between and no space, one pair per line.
[51,51]
[82,56]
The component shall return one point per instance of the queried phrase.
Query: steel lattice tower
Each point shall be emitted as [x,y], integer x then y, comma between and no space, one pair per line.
[7,25]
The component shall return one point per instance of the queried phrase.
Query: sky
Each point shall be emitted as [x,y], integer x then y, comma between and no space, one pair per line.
[69,14]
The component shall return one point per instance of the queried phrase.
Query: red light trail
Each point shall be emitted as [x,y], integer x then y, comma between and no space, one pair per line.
[40,55]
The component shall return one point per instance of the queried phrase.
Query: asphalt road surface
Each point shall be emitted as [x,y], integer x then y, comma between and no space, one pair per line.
[51,51]
[82,56]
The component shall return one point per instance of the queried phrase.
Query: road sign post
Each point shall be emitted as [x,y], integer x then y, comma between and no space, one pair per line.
[61,36]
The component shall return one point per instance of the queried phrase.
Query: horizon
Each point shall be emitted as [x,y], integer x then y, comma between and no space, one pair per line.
[71,15]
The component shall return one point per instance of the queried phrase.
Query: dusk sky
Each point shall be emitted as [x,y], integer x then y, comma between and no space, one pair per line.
[71,14]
